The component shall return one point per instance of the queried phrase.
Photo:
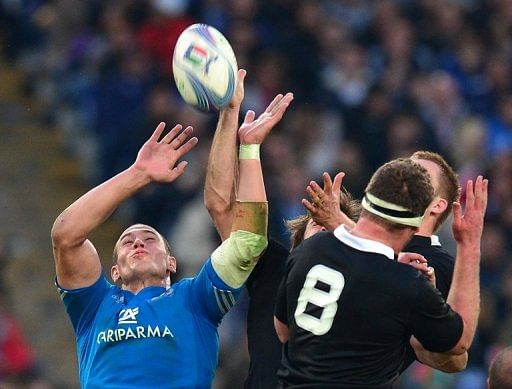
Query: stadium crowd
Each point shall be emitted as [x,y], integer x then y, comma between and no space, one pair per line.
[372,81]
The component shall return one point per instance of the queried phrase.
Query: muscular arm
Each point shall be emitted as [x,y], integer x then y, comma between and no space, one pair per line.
[219,187]
[76,260]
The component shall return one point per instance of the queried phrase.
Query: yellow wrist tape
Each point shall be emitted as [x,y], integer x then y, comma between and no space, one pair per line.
[251,151]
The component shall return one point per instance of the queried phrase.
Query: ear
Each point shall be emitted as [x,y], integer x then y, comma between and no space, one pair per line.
[171,264]
[114,273]
[439,206]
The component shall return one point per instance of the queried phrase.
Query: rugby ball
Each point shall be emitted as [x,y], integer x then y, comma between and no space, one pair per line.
[204,68]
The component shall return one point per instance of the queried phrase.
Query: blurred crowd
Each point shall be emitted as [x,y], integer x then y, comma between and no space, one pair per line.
[373,80]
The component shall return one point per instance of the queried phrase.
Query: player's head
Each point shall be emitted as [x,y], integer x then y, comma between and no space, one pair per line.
[398,195]
[142,253]
[500,370]
[445,182]
[304,226]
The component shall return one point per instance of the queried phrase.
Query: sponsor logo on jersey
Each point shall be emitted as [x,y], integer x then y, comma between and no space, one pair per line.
[128,316]
[138,332]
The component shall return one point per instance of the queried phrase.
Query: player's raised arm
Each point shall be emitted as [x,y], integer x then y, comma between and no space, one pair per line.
[464,295]
[219,187]
[76,260]
[236,257]
[219,192]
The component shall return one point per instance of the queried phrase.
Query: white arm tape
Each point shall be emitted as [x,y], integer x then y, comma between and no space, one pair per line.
[235,258]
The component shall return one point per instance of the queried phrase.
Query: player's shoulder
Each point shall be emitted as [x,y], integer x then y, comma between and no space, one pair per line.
[430,247]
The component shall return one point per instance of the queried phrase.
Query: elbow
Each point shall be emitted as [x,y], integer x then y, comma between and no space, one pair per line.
[455,364]
[62,235]
[218,205]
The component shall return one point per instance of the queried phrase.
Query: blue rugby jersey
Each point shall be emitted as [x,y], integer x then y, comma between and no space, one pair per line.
[154,339]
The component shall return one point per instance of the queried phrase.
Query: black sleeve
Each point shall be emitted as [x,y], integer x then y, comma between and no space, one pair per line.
[281,308]
[269,269]
[436,326]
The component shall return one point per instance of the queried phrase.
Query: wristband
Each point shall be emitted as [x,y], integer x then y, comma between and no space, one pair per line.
[249,151]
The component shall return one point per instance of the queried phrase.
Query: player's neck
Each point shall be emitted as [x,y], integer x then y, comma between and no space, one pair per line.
[427,227]
[368,229]
[136,286]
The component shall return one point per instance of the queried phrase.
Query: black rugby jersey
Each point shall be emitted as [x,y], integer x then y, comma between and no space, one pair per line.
[351,310]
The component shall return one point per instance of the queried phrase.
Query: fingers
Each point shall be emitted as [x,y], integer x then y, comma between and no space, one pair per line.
[280,107]
[179,169]
[184,149]
[485,193]
[327,183]
[249,117]
[470,194]
[274,102]
[310,207]
[457,214]
[241,77]
[411,257]
[158,131]
[338,179]
[171,134]
[181,138]
[315,193]
[481,193]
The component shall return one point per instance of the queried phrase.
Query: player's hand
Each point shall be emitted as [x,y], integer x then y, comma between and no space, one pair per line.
[419,262]
[324,203]
[467,228]
[238,95]
[254,131]
[158,159]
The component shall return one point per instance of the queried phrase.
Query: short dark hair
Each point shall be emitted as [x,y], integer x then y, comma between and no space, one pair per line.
[449,186]
[402,182]
[297,226]
[500,370]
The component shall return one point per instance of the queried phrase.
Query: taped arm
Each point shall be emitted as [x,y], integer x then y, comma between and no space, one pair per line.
[234,260]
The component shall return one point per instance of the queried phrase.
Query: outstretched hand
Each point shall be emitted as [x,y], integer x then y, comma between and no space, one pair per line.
[158,159]
[324,204]
[467,228]
[254,131]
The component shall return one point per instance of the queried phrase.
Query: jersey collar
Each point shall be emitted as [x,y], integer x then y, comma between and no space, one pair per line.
[363,244]
[432,240]
[146,293]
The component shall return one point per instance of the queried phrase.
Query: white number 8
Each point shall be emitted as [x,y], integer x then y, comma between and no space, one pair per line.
[326,300]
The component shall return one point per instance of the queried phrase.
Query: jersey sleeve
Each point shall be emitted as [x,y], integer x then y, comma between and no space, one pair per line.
[83,303]
[210,296]
[269,270]
[281,308]
[434,323]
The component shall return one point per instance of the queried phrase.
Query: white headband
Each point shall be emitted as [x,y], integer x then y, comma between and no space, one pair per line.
[389,211]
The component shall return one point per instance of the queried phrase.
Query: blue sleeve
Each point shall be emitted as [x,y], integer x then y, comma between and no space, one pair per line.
[210,296]
[83,303]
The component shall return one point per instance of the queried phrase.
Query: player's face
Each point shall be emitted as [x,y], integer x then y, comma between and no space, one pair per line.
[141,255]
[312,228]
